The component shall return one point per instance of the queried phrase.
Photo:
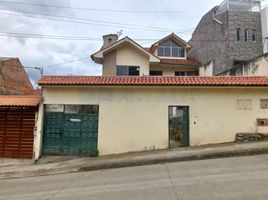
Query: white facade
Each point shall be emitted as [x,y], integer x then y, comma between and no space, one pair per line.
[264,23]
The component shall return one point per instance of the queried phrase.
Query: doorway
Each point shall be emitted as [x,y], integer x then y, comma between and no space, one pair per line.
[178,126]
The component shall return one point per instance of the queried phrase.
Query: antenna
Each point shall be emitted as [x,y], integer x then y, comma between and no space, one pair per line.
[119,33]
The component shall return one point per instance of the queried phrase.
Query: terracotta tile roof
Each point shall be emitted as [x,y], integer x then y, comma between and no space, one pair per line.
[188,61]
[154,81]
[20,100]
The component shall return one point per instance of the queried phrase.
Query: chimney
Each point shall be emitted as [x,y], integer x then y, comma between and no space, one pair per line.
[109,39]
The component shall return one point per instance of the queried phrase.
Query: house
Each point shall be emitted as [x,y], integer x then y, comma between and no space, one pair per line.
[18,124]
[228,35]
[166,57]
[91,115]
[13,78]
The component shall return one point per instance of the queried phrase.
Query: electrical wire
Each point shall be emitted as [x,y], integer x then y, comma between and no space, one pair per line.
[48,16]
[101,10]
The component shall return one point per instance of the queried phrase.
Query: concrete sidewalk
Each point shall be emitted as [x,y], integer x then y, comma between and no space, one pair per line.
[60,165]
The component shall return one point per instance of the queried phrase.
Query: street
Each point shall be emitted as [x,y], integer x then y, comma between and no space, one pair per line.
[228,178]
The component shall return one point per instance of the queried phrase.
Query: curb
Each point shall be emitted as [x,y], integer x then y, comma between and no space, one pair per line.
[161,158]
[237,153]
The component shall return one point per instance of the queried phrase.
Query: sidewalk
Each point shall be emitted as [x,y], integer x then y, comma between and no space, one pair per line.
[60,165]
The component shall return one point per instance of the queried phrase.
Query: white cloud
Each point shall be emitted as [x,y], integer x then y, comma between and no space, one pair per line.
[43,52]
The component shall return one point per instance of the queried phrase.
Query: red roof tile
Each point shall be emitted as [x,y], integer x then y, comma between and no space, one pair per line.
[188,61]
[154,81]
[19,100]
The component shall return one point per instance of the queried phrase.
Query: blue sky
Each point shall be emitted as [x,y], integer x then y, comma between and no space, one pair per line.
[19,18]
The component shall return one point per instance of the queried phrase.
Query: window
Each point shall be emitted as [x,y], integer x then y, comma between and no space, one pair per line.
[127,71]
[170,49]
[246,35]
[188,73]
[238,34]
[110,41]
[264,103]
[253,35]
[180,73]
[72,109]
[156,73]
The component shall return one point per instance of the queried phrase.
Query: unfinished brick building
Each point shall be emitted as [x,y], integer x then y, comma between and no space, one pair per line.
[13,78]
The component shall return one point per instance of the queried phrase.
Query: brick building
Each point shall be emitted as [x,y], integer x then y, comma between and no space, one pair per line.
[13,78]
[228,35]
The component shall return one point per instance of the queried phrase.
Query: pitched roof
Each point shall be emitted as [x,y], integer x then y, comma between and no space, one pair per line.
[173,37]
[153,81]
[188,61]
[20,100]
[98,56]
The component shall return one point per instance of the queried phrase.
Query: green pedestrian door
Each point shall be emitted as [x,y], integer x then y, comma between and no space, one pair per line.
[70,134]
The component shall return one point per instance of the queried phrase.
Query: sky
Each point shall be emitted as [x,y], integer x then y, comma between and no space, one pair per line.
[69,36]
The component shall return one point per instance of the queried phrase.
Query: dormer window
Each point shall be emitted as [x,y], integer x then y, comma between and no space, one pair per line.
[171,49]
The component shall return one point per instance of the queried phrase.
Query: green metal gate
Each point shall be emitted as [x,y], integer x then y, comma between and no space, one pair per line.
[70,134]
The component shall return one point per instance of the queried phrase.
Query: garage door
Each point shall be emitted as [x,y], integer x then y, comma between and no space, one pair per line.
[70,130]
[16,131]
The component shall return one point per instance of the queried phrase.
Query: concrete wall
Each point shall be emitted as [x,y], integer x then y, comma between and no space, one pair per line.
[206,70]
[264,24]
[136,118]
[38,132]
[217,42]
[255,67]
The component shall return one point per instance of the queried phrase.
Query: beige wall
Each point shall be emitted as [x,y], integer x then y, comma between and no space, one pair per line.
[125,55]
[109,64]
[129,55]
[136,119]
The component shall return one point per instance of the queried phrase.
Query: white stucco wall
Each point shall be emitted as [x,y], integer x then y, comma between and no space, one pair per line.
[129,55]
[136,119]
[38,132]
[264,24]
[206,70]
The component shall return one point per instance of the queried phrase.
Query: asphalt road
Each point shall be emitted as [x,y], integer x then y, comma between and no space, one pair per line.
[243,178]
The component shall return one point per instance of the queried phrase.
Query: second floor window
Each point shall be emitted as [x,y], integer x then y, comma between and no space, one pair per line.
[123,70]
[253,35]
[238,34]
[246,35]
[170,49]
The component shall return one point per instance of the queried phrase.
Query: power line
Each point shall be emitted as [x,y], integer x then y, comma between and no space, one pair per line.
[93,22]
[68,61]
[58,37]
[100,10]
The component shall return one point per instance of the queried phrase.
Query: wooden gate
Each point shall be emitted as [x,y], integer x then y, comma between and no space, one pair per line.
[17,131]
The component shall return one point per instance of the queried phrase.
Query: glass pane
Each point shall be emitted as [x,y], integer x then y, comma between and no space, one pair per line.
[89,109]
[134,71]
[122,71]
[167,52]
[156,73]
[54,108]
[72,109]
[181,52]
[166,44]
[160,51]
[175,52]
[174,44]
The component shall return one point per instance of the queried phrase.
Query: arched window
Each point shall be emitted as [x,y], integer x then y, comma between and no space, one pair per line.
[171,49]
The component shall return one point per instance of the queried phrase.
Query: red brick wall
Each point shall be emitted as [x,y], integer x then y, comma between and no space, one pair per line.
[13,78]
